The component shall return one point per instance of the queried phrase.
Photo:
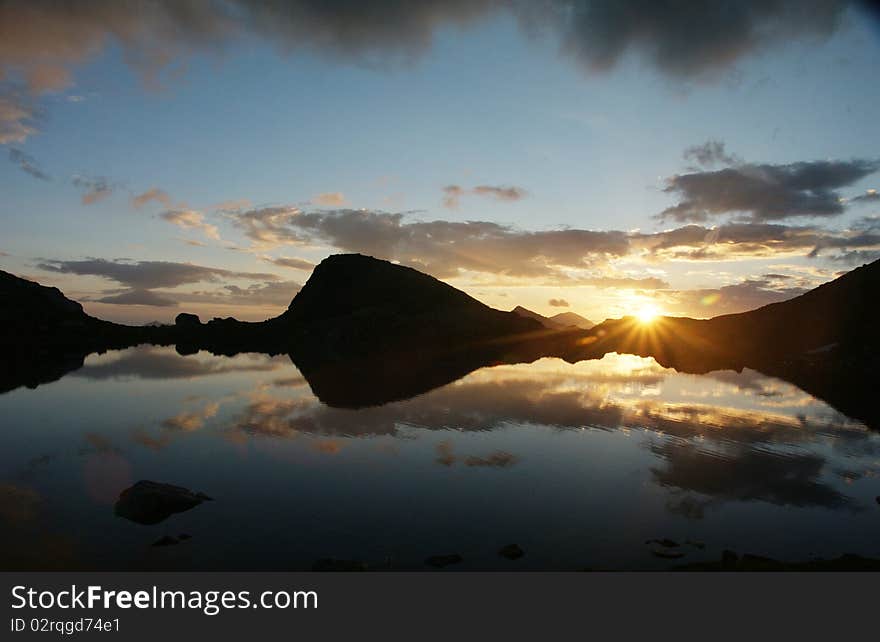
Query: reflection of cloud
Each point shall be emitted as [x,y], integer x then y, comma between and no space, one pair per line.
[694,421]
[18,504]
[497,459]
[746,474]
[164,363]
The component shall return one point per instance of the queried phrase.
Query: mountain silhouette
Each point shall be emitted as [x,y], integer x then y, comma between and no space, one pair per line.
[546,322]
[557,321]
[364,331]
[572,318]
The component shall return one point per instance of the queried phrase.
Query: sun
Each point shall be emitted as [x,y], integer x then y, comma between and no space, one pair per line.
[647,313]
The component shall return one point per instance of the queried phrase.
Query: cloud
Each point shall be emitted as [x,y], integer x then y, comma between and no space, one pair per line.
[681,39]
[746,295]
[42,42]
[765,192]
[153,194]
[290,262]
[453,193]
[646,283]
[445,249]
[709,154]
[192,220]
[558,303]
[330,199]
[750,240]
[27,164]
[96,188]
[870,196]
[150,274]
[137,297]
[273,293]
[441,248]
[17,116]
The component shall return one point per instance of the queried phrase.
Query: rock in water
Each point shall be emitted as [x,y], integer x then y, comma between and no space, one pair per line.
[439,561]
[511,552]
[149,502]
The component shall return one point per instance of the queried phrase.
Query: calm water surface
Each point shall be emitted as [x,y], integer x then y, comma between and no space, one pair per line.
[578,464]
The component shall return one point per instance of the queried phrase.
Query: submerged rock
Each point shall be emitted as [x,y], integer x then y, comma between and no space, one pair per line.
[668,555]
[731,562]
[166,540]
[665,542]
[149,502]
[511,552]
[439,561]
[330,564]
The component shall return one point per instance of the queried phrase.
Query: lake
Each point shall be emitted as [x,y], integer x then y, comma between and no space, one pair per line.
[580,465]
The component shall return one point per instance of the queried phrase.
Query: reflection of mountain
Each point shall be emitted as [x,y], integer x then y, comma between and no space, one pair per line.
[365,332]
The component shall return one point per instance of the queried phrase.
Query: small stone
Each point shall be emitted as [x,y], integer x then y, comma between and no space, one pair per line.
[511,552]
[439,561]
[330,564]
[668,555]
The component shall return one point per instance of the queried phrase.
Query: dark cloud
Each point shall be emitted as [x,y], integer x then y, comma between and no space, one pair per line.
[747,474]
[682,39]
[441,248]
[95,188]
[27,164]
[766,192]
[856,257]
[42,41]
[291,262]
[871,196]
[751,240]
[275,293]
[137,297]
[558,303]
[148,275]
[709,154]
[453,193]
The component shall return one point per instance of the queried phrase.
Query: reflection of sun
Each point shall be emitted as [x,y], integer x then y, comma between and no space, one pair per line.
[648,313]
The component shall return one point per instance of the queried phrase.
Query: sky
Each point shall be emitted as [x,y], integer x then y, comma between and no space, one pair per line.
[588,156]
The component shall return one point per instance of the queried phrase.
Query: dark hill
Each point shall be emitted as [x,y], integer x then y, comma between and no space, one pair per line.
[572,318]
[547,322]
[358,304]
